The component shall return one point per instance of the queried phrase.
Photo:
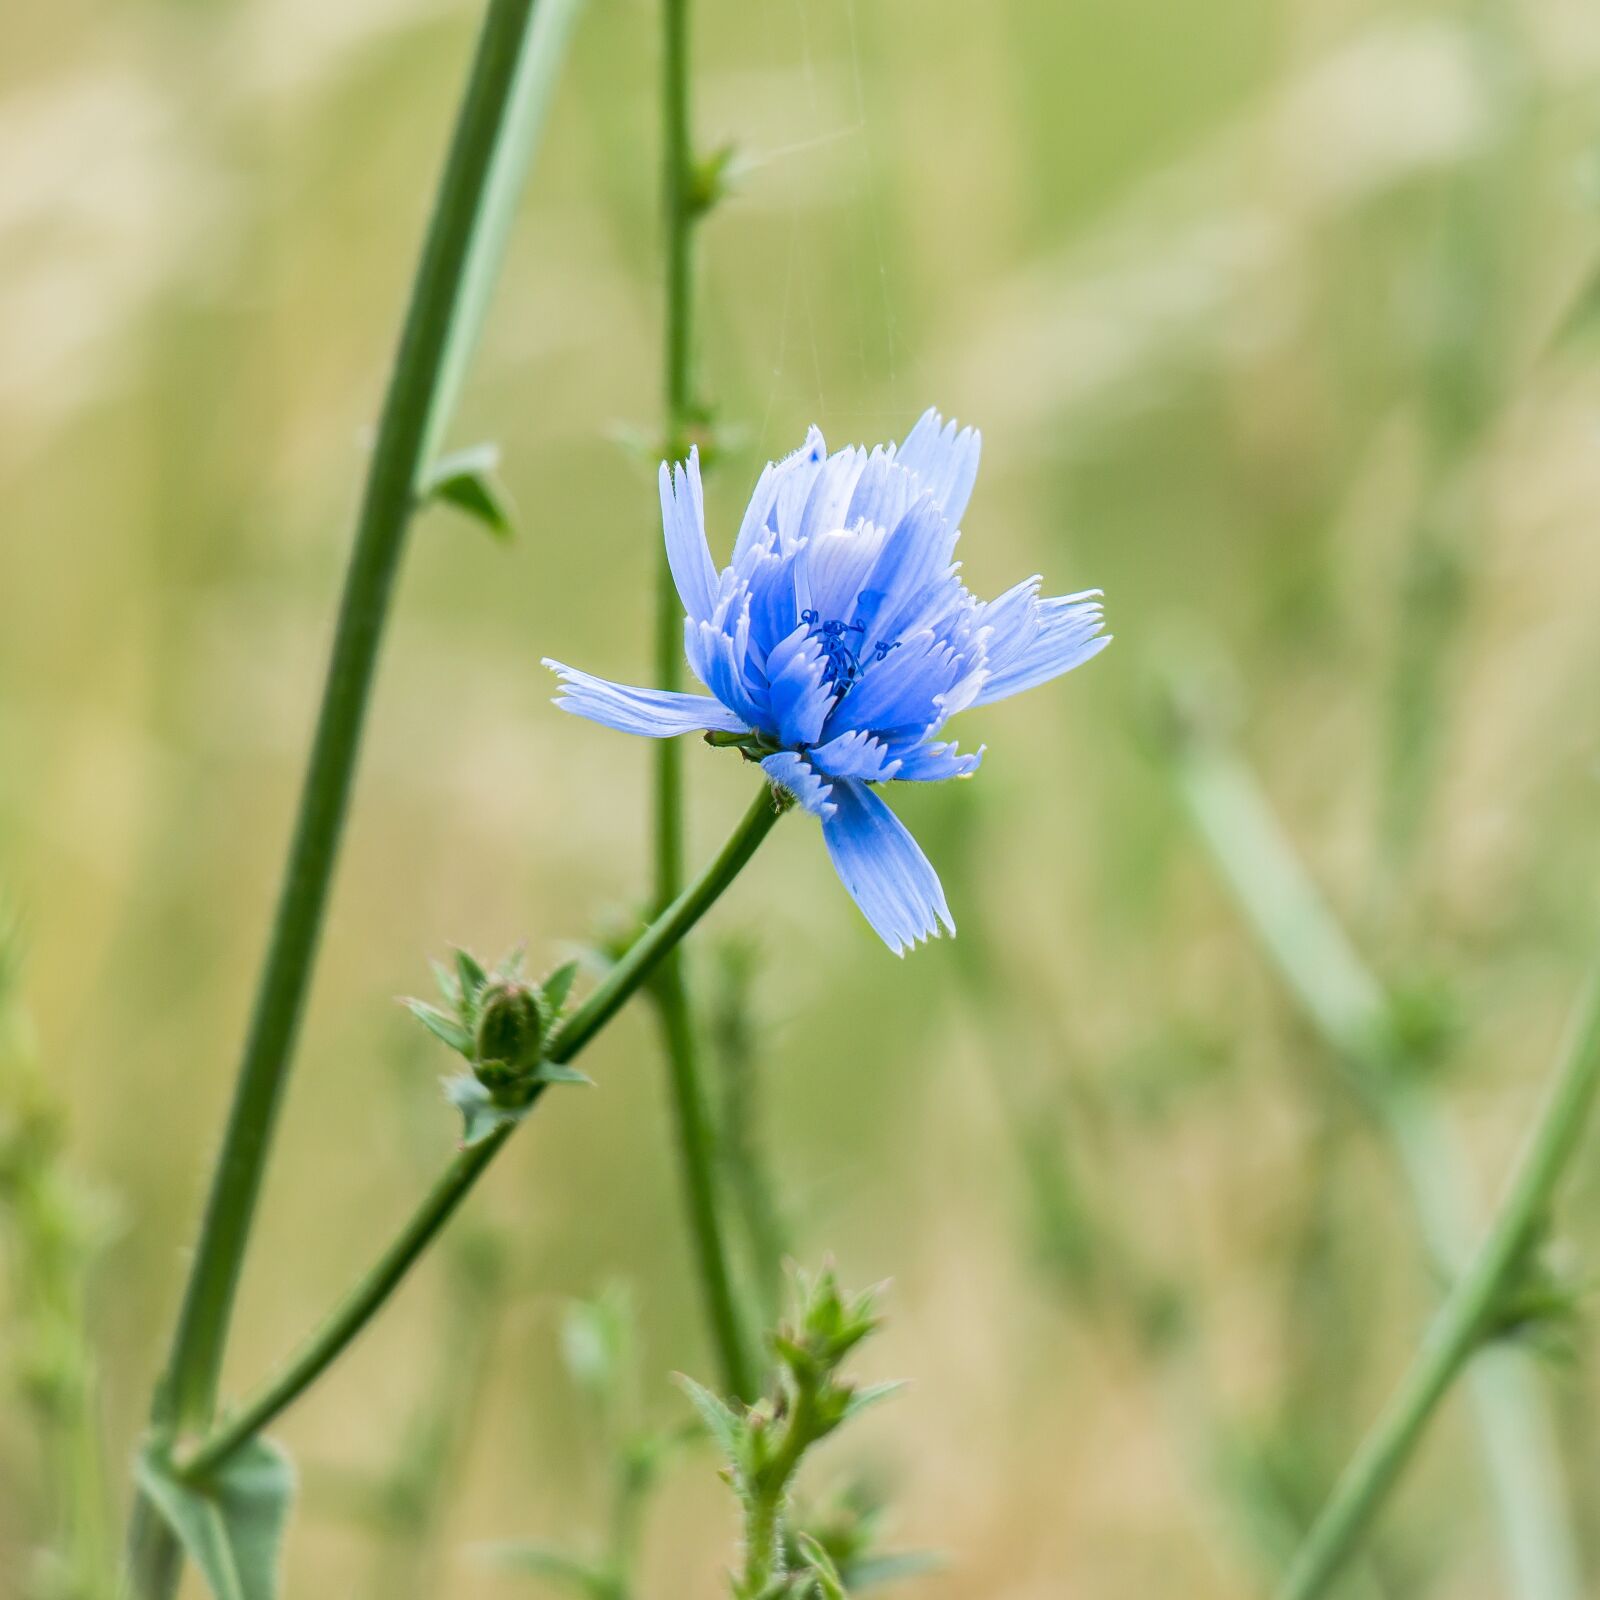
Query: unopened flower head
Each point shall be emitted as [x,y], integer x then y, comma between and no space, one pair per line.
[839,642]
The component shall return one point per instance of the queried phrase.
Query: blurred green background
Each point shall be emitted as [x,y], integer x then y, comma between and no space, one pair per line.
[1265,310]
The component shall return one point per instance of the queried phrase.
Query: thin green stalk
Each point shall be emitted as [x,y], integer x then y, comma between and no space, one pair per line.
[691,1116]
[700,1175]
[1466,1318]
[358,1307]
[678,225]
[766,1501]
[539,62]
[744,1158]
[1462,390]
[1348,1007]
[434,339]
[651,948]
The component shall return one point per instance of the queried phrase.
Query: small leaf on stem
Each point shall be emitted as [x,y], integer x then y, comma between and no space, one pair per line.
[231,1527]
[558,986]
[465,480]
[441,1026]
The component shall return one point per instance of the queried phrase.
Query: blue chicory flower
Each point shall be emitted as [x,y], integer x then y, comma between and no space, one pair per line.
[839,642]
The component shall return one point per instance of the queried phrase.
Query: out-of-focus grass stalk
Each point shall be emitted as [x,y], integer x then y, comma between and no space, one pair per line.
[1349,1009]
[538,66]
[733,1038]
[678,222]
[682,207]
[1466,1318]
[464,237]
[373,1288]
[1462,393]
[53,1230]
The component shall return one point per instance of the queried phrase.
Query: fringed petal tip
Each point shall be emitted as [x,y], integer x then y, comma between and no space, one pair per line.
[792,773]
[944,457]
[1049,638]
[933,761]
[649,713]
[884,869]
[683,523]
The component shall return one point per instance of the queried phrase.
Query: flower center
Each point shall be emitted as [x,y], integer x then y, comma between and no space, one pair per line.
[841,643]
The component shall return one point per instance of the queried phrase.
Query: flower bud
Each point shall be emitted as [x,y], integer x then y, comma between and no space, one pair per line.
[510,1036]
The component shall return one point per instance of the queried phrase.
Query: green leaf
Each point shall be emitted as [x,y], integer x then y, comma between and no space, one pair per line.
[712,178]
[449,989]
[441,1026]
[558,986]
[481,1113]
[465,480]
[538,70]
[510,965]
[545,1561]
[825,1576]
[232,1526]
[721,1422]
[472,976]
[870,1396]
[559,1072]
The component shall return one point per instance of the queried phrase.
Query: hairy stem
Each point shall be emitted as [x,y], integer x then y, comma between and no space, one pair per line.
[1466,1318]
[433,337]
[769,1501]
[692,1122]
[357,1309]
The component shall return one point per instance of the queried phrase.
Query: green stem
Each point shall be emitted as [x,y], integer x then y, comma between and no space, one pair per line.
[691,1116]
[678,225]
[680,214]
[764,1516]
[1463,1321]
[431,337]
[763,1545]
[738,1124]
[648,951]
[358,1307]
[698,1167]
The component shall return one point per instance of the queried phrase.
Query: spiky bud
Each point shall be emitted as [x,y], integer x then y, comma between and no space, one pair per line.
[511,1032]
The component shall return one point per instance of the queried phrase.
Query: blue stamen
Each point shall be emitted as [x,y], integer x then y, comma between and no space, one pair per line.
[841,665]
